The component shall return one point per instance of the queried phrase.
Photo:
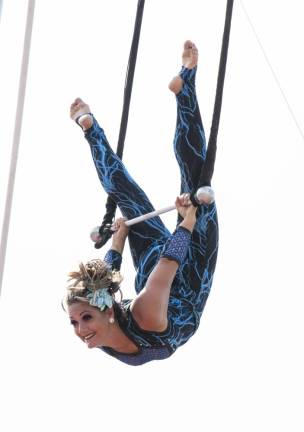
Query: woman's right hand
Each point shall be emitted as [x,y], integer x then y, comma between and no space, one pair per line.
[121,231]
[120,228]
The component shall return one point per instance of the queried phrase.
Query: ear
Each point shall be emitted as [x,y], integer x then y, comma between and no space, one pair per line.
[110,315]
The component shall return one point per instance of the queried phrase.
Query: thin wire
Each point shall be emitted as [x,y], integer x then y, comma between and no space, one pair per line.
[272,71]
[17,133]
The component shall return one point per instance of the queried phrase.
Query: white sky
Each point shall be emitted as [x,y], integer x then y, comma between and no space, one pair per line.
[243,370]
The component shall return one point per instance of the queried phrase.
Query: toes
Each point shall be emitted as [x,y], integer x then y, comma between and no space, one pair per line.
[77,105]
[77,102]
[190,49]
[188,44]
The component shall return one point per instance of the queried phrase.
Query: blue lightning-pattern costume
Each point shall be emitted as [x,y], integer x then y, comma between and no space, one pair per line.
[149,240]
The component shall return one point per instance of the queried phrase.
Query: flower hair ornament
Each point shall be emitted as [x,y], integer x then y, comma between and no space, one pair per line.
[95,283]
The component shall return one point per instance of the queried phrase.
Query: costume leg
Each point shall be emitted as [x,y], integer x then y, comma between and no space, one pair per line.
[189,140]
[190,150]
[129,197]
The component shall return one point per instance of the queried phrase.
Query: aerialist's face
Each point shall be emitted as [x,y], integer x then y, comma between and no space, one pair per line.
[90,324]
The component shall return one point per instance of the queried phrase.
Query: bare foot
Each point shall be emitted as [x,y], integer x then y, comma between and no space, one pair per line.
[190,55]
[189,60]
[82,110]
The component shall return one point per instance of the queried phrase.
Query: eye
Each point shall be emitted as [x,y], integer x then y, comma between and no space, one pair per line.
[87,317]
[73,322]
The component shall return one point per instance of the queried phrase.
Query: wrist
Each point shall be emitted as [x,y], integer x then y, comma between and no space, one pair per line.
[118,245]
[188,223]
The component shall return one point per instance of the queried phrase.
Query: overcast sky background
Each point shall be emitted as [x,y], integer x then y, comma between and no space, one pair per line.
[243,370]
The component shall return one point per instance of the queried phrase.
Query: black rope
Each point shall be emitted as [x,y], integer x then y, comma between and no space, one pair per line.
[104,230]
[208,168]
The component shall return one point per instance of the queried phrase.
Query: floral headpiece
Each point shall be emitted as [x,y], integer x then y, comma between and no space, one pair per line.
[99,282]
[100,298]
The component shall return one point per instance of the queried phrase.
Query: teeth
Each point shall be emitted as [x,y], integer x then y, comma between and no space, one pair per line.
[89,336]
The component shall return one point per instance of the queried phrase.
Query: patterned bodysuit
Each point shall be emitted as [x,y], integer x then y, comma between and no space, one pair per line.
[149,239]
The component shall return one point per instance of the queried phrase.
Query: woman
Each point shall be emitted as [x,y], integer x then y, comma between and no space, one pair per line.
[173,272]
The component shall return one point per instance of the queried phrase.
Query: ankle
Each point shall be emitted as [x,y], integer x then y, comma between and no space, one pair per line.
[85,121]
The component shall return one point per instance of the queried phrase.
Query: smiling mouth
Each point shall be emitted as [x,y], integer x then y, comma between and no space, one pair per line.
[89,337]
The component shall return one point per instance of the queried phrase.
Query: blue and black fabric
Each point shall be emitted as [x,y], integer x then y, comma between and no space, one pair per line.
[150,239]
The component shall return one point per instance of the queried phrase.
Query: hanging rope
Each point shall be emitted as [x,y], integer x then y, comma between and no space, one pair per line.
[17,133]
[108,219]
[207,172]
[208,169]
[0,9]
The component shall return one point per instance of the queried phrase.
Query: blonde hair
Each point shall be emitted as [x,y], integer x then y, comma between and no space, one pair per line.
[91,277]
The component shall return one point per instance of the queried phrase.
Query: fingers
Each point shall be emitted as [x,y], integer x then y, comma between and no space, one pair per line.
[119,223]
[77,105]
[186,199]
[183,200]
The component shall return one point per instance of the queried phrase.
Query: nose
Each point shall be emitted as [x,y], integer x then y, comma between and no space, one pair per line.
[81,330]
